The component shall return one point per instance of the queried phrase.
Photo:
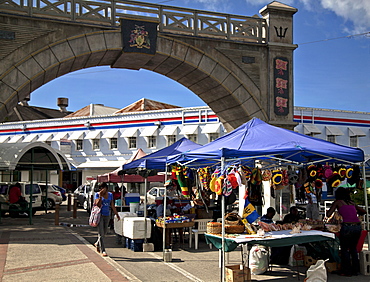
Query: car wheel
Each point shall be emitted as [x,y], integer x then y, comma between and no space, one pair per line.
[49,204]
[85,205]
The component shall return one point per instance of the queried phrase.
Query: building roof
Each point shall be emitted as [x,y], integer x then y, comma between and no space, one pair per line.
[25,112]
[146,105]
[93,110]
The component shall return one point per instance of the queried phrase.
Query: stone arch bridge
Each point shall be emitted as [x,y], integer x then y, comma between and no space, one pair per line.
[242,67]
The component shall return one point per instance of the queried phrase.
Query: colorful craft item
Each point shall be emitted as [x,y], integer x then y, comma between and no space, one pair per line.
[277,177]
[318,183]
[292,175]
[256,177]
[349,172]
[227,187]
[232,179]
[334,180]
[266,175]
[204,177]
[342,172]
[328,171]
[180,173]
[285,179]
[247,172]
[219,184]
[308,188]
[311,170]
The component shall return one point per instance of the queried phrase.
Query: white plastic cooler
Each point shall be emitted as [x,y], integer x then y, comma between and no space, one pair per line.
[135,228]
[118,224]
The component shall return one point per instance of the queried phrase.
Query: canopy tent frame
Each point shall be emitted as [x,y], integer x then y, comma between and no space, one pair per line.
[252,141]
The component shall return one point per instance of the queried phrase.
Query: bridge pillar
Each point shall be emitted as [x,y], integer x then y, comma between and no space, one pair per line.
[279,18]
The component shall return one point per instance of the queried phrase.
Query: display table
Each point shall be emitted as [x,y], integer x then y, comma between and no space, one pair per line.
[271,239]
[169,226]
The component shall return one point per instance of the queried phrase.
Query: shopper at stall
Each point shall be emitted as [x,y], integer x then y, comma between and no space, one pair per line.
[350,231]
[160,209]
[267,218]
[312,208]
[292,216]
[104,200]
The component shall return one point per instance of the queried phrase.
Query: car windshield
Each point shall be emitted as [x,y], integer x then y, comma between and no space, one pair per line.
[35,189]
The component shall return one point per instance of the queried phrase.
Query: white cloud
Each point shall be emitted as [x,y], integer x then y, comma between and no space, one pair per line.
[356,11]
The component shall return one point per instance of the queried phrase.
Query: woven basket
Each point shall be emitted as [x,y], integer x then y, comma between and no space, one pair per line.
[233,218]
[234,229]
[214,227]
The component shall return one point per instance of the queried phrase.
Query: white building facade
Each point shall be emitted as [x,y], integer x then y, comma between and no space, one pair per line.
[99,144]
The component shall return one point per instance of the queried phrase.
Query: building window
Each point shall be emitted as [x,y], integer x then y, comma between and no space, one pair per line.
[171,139]
[132,142]
[95,144]
[79,145]
[213,136]
[353,141]
[330,138]
[113,143]
[192,137]
[152,141]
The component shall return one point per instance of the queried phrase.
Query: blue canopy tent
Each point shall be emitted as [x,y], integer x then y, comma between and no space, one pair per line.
[157,161]
[257,140]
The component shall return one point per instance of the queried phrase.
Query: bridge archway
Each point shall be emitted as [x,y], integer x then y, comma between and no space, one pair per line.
[212,68]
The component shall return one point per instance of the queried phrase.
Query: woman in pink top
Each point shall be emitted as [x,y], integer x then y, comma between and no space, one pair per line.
[350,231]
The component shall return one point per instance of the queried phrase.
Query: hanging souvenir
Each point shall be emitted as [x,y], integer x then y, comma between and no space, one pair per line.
[320,171]
[204,177]
[342,172]
[255,194]
[247,172]
[311,171]
[292,176]
[318,183]
[328,171]
[266,175]
[334,180]
[232,179]
[356,175]
[227,187]
[285,178]
[179,172]
[219,184]
[256,177]
[277,176]
[238,177]
[349,172]
[242,176]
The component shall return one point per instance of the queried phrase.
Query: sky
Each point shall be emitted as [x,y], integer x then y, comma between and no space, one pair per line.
[331,63]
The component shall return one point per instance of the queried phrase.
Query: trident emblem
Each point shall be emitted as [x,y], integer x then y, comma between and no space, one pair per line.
[279,32]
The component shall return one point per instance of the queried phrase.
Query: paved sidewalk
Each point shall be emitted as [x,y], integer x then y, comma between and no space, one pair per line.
[46,252]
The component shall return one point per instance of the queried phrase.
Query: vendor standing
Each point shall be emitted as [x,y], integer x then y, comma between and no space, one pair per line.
[350,231]
[312,208]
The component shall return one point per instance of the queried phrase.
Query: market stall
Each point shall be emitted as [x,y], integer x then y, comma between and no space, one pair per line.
[257,141]
[155,162]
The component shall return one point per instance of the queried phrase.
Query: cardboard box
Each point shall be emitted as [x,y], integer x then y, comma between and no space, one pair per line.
[235,274]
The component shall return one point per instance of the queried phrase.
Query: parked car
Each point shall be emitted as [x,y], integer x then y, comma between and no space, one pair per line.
[25,190]
[53,195]
[82,192]
[62,191]
[158,192]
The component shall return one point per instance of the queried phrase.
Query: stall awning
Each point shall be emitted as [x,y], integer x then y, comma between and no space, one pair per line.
[168,130]
[111,133]
[15,139]
[355,131]
[95,134]
[149,131]
[333,130]
[101,164]
[189,129]
[311,129]
[130,132]
[211,128]
[4,138]
[30,138]
[77,135]
[59,136]
[45,137]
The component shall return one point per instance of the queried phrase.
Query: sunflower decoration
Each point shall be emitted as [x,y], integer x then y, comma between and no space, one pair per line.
[277,177]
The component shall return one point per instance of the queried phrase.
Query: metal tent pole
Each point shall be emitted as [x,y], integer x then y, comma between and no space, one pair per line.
[145,212]
[223,228]
[164,213]
[366,203]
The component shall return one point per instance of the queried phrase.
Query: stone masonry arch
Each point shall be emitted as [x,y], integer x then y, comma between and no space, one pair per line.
[232,77]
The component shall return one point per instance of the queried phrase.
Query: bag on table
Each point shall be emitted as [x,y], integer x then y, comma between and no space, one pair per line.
[258,262]
[94,216]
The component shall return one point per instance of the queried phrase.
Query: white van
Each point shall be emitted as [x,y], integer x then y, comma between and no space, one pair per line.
[25,190]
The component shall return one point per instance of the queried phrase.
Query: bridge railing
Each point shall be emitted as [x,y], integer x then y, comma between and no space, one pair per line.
[170,19]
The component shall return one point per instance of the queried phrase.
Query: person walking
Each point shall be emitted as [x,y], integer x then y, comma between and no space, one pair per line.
[350,231]
[104,200]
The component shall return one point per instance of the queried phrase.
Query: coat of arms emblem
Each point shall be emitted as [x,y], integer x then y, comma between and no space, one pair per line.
[139,37]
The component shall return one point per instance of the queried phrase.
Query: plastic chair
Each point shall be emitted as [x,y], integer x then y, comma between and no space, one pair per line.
[201,229]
